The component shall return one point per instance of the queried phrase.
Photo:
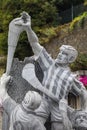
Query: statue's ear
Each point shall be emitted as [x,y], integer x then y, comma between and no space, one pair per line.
[71,59]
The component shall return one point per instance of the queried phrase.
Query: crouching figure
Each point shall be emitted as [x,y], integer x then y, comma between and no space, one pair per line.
[21,116]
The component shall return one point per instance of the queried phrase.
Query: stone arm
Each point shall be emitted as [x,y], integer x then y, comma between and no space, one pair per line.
[13,37]
[34,42]
[3,91]
[25,23]
[84,100]
[79,88]
[17,26]
[63,107]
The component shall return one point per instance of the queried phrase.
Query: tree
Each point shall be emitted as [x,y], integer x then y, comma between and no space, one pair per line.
[65,4]
[43,13]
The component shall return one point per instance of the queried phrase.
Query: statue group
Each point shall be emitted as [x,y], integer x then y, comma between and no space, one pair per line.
[50,86]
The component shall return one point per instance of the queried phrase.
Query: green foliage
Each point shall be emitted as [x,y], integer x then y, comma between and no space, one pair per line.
[78,21]
[3,43]
[2,70]
[43,13]
[74,22]
[85,2]
[6,18]
[23,49]
[2,65]
[80,63]
[2,62]
[46,34]
[66,4]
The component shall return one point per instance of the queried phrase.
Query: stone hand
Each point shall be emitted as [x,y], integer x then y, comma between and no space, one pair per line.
[24,20]
[4,80]
[3,91]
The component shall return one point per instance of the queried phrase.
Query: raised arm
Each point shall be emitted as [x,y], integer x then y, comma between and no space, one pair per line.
[33,39]
[25,22]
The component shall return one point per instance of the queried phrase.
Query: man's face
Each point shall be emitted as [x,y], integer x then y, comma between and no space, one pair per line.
[62,57]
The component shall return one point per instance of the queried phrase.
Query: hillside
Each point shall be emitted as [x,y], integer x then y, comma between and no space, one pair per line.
[76,38]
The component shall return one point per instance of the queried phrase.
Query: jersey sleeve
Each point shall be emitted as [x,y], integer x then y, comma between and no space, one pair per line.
[44,59]
[77,86]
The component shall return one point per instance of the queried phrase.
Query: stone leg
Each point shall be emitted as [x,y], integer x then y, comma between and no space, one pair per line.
[43,111]
[57,126]
[56,118]
[42,119]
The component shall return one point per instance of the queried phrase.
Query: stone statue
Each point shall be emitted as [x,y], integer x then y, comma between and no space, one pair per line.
[63,107]
[58,79]
[13,37]
[78,118]
[21,116]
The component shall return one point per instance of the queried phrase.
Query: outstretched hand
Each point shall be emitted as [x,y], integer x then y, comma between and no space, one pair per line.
[24,20]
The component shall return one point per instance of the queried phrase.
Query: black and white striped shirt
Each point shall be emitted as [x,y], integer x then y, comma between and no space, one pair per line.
[58,80]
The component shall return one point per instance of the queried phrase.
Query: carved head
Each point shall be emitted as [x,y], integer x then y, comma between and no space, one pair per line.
[67,54]
[31,100]
[80,120]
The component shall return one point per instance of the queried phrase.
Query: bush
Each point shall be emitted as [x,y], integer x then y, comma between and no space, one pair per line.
[2,62]
[1,71]
[46,34]
[78,21]
[80,63]
[2,65]
[43,14]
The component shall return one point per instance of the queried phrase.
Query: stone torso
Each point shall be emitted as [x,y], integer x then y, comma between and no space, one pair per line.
[57,79]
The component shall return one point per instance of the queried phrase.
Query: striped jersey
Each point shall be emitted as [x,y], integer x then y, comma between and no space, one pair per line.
[57,79]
